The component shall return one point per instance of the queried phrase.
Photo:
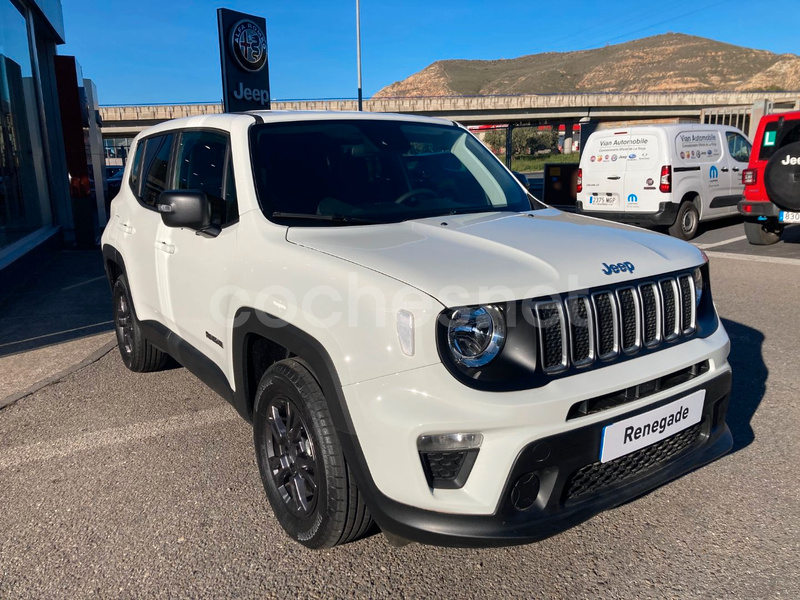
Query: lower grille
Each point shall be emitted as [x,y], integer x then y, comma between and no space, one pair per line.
[597,476]
[444,465]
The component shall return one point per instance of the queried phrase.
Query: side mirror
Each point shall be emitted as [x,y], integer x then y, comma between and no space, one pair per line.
[185,208]
[521,177]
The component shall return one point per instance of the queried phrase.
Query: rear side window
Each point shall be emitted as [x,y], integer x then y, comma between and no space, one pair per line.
[776,135]
[135,179]
[155,168]
[202,164]
[738,146]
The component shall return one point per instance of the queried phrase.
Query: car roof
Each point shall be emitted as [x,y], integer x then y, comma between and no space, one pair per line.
[225,121]
[671,127]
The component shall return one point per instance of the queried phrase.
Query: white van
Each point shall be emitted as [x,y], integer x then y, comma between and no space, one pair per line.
[667,175]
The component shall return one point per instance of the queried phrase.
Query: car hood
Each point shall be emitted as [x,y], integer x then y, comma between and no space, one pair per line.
[491,257]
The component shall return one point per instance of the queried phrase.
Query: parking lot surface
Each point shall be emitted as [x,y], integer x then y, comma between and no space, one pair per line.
[115,484]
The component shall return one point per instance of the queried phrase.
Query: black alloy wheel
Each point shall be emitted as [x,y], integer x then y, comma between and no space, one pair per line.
[291,457]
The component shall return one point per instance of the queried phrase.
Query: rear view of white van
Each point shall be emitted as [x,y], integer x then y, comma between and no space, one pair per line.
[663,175]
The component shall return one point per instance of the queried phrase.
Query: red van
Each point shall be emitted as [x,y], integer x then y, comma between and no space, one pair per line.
[764,221]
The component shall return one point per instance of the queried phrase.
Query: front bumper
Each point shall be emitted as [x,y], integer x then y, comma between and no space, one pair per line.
[663,217]
[565,499]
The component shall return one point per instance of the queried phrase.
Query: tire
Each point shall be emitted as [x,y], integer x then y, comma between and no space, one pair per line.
[763,233]
[686,222]
[138,354]
[305,475]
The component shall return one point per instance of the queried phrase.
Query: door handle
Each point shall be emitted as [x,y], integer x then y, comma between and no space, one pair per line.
[614,177]
[735,169]
[125,228]
[724,169]
[165,247]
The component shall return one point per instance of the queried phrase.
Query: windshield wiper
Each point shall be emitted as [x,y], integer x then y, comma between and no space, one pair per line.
[331,218]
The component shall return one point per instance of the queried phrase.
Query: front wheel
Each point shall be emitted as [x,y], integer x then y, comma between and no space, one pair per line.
[303,469]
[686,222]
[763,233]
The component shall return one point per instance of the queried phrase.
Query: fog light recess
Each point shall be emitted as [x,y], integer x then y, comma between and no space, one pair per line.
[447,458]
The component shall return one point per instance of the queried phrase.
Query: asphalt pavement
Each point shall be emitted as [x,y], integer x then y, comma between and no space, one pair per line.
[115,484]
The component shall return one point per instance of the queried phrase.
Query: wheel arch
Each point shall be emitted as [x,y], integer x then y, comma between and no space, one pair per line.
[260,340]
[113,263]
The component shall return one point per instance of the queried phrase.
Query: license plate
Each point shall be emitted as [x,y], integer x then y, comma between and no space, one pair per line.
[653,426]
[789,217]
[602,200]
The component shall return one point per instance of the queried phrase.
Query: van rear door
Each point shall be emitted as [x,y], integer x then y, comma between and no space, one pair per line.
[603,172]
[621,171]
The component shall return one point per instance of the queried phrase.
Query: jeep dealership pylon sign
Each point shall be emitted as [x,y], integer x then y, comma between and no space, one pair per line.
[245,65]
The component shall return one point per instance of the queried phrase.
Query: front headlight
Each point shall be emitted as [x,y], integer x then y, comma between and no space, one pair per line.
[698,285]
[476,334]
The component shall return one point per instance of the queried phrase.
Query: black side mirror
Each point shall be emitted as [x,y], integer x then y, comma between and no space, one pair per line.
[522,178]
[185,208]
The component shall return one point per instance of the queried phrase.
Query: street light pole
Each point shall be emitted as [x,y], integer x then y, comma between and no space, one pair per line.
[358,50]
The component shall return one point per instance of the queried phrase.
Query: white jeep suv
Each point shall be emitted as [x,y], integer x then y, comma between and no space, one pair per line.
[417,341]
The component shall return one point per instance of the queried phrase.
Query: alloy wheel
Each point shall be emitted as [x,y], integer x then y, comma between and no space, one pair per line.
[291,457]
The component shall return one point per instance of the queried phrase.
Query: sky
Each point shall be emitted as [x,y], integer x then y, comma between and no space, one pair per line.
[167,51]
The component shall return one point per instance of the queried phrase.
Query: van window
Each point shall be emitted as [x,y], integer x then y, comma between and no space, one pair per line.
[695,146]
[738,146]
[774,136]
[615,152]
[155,168]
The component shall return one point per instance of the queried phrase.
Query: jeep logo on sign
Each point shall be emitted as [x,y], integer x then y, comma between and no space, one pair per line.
[249,45]
[623,267]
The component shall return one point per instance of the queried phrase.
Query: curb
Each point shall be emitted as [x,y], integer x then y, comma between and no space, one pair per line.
[92,358]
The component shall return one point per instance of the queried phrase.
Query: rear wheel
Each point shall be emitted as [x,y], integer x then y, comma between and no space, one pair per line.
[303,469]
[763,233]
[686,222]
[138,354]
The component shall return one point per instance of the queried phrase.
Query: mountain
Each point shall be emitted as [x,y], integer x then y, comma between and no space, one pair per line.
[661,63]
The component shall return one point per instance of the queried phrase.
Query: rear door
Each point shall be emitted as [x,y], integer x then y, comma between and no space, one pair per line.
[603,172]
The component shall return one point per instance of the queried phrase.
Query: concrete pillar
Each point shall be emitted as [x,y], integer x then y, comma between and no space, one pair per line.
[509,145]
[568,137]
[759,109]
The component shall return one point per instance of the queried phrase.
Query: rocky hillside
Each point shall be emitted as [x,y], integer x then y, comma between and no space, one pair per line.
[668,62]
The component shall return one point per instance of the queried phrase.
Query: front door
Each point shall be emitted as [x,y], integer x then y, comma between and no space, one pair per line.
[196,265]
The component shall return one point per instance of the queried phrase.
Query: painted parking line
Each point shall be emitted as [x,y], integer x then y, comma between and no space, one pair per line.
[63,447]
[776,260]
[722,243]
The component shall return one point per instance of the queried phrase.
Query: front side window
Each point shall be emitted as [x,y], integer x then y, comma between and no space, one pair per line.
[371,171]
[202,164]
[739,147]
[155,168]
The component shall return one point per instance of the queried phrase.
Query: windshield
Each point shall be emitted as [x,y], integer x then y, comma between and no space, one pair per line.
[376,171]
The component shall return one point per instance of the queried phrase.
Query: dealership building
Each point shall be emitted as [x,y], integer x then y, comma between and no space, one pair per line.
[51,172]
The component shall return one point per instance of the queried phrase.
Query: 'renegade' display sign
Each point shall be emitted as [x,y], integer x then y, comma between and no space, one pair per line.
[244,61]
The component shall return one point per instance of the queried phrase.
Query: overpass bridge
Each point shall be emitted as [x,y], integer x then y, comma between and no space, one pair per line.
[126,121]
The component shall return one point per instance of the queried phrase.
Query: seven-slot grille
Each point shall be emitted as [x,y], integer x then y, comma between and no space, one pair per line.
[604,324]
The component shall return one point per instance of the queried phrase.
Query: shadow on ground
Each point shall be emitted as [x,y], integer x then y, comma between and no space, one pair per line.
[749,380]
[65,299]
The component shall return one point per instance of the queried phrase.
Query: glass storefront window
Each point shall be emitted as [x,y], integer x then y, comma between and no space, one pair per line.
[24,202]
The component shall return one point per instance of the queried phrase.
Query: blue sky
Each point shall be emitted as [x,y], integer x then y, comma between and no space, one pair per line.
[166,51]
